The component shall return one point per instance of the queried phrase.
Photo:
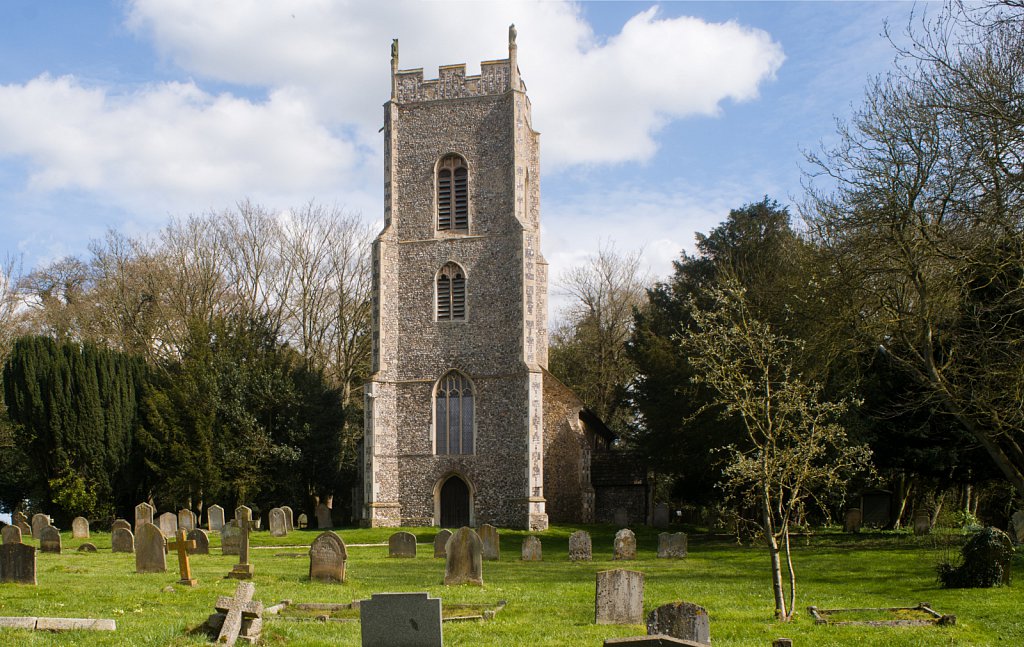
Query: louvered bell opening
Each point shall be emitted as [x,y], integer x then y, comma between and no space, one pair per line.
[444,199]
[461,199]
[458,297]
[444,297]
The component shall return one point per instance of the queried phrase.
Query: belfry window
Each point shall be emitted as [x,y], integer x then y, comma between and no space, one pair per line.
[451,293]
[452,194]
[453,415]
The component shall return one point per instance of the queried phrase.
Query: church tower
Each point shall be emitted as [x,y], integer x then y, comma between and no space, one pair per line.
[454,408]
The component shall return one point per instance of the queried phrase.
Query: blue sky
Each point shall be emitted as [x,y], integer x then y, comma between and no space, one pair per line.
[656,119]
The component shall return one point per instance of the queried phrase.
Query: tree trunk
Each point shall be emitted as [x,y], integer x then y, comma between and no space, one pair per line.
[904,498]
[792,573]
[773,551]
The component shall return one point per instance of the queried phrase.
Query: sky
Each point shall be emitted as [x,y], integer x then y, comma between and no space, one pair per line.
[656,119]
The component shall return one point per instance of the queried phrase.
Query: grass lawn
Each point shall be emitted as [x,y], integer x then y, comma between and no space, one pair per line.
[548,603]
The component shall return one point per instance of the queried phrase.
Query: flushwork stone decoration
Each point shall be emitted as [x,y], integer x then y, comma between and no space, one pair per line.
[440,541]
[619,598]
[122,541]
[683,620]
[532,549]
[401,619]
[402,544]
[80,528]
[491,541]
[625,544]
[150,550]
[672,545]
[580,547]
[49,540]
[464,560]
[18,564]
[327,557]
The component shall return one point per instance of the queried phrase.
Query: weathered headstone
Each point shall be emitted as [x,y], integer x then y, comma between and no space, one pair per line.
[1017,526]
[49,540]
[407,619]
[854,520]
[580,548]
[278,524]
[143,515]
[289,518]
[237,609]
[625,544]
[168,523]
[39,521]
[215,518]
[327,557]
[18,563]
[657,640]
[682,620]
[922,522]
[492,542]
[464,558]
[303,520]
[619,598]
[182,545]
[186,520]
[120,524]
[11,535]
[672,545]
[243,511]
[402,544]
[80,528]
[26,529]
[531,551]
[243,570]
[202,542]
[323,517]
[87,547]
[18,517]
[122,541]
[440,540]
[620,517]
[150,550]
[660,516]
[230,535]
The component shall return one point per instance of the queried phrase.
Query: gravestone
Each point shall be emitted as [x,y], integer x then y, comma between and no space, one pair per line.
[620,517]
[120,524]
[278,524]
[143,515]
[87,547]
[672,545]
[682,620]
[150,550]
[327,557]
[625,544]
[237,609]
[215,518]
[531,549]
[168,523]
[854,520]
[492,542]
[660,516]
[26,528]
[580,548]
[289,517]
[323,517]
[1017,525]
[182,545]
[464,558]
[39,521]
[656,640]
[619,598]
[243,570]
[922,522]
[80,528]
[402,544]
[440,541]
[122,541]
[49,540]
[303,520]
[18,518]
[243,511]
[230,535]
[18,564]
[11,535]
[406,619]
[202,542]
[186,520]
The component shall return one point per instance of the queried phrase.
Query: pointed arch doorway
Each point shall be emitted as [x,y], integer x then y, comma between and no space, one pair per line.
[454,503]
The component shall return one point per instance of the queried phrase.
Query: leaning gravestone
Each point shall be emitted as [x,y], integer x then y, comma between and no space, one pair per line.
[854,520]
[402,544]
[922,522]
[202,542]
[625,544]
[186,519]
[11,535]
[214,518]
[168,523]
[39,521]
[531,551]
[440,541]
[230,539]
[18,564]
[407,619]
[580,547]
[682,620]
[150,550]
[87,547]
[463,558]
[143,515]
[672,545]
[327,557]
[49,540]
[492,542]
[1017,525]
[619,598]
[278,525]
[122,541]
[80,528]
[289,518]
[120,524]
[323,517]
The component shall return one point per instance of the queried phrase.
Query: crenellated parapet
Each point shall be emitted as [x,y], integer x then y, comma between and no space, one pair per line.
[452,83]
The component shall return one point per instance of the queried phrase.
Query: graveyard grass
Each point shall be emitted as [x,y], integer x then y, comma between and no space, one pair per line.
[548,603]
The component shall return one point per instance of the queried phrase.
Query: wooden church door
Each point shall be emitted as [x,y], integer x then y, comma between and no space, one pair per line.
[454,503]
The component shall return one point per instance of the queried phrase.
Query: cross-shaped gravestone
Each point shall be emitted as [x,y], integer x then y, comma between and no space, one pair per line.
[183,545]
[235,609]
[243,569]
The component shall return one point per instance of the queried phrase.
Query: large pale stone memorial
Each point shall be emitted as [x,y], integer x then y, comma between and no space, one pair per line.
[327,557]
[619,598]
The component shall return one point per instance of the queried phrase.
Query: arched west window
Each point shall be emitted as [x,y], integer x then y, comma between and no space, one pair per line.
[452,194]
[453,415]
[451,293]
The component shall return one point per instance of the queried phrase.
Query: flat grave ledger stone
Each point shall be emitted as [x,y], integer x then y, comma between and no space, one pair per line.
[278,525]
[202,542]
[236,609]
[625,544]
[440,540]
[168,523]
[230,536]
[49,540]
[672,545]
[18,564]
[11,535]
[327,557]
[683,620]
[87,547]
[303,520]
[532,549]
[289,518]
[120,523]
[39,521]
[657,640]
[853,521]
[122,541]
[406,619]
[214,518]
[922,522]
[491,541]
[80,528]
[402,544]
[323,517]
[186,519]
[464,558]
[1017,524]
[660,515]
[621,517]
[143,514]
[181,545]
[150,550]
[580,547]
[619,598]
